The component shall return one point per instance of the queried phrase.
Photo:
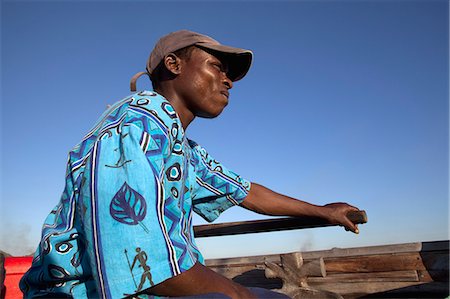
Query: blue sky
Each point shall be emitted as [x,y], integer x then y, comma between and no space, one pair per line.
[345,101]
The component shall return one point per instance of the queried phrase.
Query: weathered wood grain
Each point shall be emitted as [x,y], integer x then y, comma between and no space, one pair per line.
[361,251]
[386,271]
[339,252]
[408,275]
[256,276]
[380,249]
[374,263]
[238,261]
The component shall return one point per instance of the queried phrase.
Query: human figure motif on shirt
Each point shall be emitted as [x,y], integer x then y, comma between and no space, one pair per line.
[141,256]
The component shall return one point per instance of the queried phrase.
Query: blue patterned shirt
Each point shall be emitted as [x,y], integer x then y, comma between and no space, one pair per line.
[124,221]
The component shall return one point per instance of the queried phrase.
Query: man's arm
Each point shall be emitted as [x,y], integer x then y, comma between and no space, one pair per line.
[265,201]
[200,280]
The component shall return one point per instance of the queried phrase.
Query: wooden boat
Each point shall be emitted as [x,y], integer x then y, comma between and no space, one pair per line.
[412,270]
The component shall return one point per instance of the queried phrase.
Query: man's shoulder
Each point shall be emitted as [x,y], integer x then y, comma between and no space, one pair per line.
[149,106]
[147,110]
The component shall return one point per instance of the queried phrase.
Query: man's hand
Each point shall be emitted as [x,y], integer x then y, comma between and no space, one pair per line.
[337,213]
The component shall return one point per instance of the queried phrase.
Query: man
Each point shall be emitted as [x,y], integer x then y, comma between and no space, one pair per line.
[135,178]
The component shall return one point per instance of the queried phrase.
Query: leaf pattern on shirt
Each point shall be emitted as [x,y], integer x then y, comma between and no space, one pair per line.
[128,206]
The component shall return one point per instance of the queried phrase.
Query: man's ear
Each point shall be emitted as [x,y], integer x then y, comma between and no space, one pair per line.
[172,63]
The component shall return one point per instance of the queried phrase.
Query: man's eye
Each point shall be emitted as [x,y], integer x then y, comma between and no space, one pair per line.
[217,66]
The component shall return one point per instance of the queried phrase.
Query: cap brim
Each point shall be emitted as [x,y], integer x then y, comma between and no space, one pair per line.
[239,60]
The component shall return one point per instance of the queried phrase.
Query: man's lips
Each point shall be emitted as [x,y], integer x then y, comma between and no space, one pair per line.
[225,93]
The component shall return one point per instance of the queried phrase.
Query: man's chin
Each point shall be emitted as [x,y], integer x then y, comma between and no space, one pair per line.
[210,114]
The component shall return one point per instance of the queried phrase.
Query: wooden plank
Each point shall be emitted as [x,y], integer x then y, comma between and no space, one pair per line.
[361,251]
[238,261]
[407,275]
[339,252]
[374,263]
[309,255]
[257,275]
[394,254]
[269,225]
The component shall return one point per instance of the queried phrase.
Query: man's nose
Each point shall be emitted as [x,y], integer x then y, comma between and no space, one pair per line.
[228,83]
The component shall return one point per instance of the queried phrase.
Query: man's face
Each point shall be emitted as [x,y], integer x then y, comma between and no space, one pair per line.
[203,84]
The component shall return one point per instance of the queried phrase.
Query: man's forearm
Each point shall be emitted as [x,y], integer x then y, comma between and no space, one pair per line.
[265,201]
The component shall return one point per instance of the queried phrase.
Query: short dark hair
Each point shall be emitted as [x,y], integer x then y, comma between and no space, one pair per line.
[160,72]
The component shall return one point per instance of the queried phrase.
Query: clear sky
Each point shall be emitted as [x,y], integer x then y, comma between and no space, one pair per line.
[345,101]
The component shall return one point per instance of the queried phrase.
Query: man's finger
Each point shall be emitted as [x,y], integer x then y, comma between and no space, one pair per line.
[350,226]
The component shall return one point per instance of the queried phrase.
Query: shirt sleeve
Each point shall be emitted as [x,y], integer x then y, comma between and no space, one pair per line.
[216,187]
[130,244]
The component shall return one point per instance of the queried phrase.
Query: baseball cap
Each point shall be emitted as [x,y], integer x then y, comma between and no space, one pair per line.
[239,60]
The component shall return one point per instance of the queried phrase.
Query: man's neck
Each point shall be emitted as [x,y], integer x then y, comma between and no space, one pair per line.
[186,116]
